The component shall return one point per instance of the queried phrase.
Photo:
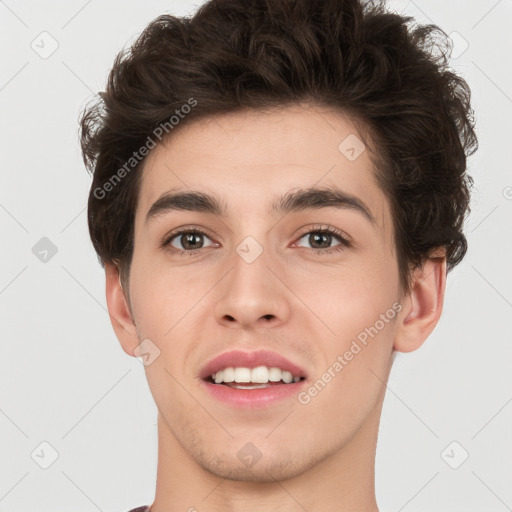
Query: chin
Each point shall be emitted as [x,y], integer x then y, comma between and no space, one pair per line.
[265,470]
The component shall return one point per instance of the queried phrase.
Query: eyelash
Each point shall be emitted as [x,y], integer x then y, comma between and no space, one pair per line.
[344,243]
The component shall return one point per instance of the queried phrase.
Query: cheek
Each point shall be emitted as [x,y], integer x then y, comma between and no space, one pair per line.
[358,310]
[162,298]
[169,308]
[350,298]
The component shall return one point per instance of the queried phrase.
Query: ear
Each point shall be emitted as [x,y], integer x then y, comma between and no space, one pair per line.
[422,306]
[119,311]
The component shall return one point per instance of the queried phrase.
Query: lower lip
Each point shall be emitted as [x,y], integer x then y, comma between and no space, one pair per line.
[252,398]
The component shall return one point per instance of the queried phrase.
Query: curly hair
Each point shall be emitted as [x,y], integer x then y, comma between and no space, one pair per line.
[355,57]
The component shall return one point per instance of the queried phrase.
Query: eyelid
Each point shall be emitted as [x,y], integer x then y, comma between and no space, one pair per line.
[344,238]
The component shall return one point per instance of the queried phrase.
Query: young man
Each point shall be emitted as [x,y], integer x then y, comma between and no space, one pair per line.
[279,189]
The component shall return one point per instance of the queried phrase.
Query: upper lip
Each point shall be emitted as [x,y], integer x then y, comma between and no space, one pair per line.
[239,358]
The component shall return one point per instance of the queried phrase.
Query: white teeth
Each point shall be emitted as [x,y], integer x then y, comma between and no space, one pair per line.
[242,375]
[258,375]
[274,374]
[287,377]
[229,375]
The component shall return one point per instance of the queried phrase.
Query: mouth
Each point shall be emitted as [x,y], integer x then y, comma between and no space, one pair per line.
[252,379]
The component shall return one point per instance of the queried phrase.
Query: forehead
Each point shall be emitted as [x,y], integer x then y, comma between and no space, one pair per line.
[250,158]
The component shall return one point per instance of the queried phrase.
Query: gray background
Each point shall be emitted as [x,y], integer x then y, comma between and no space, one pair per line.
[64,379]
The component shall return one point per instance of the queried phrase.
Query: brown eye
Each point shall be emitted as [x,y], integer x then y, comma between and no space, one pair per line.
[188,240]
[322,239]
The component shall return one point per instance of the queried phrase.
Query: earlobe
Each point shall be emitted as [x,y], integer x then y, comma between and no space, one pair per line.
[119,311]
[423,305]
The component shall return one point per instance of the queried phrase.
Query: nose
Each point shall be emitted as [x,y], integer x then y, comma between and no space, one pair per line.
[252,294]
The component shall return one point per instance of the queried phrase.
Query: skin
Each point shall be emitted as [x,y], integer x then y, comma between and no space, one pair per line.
[307,306]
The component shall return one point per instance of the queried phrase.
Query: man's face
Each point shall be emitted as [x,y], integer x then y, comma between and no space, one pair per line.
[264,279]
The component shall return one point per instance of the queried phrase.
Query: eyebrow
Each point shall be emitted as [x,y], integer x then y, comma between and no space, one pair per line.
[296,201]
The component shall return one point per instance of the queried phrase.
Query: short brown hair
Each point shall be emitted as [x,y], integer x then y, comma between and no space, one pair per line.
[349,55]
